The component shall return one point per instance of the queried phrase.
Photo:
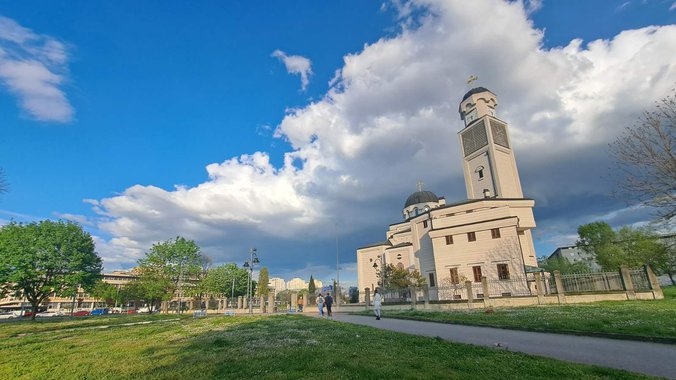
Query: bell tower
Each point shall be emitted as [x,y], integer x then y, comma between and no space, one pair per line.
[488,160]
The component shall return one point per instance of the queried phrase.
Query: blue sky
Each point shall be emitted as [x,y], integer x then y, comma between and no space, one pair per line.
[146,120]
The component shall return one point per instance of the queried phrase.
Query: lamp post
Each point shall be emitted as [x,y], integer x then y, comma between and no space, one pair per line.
[253,260]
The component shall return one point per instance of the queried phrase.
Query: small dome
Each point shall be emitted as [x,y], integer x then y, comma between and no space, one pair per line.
[473,91]
[421,197]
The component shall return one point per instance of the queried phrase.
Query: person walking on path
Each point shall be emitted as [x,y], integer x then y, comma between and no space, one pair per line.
[328,301]
[377,303]
[320,304]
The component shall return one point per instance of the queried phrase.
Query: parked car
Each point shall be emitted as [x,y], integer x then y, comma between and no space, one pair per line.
[132,311]
[48,314]
[100,311]
[81,313]
[144,310]
[9,315]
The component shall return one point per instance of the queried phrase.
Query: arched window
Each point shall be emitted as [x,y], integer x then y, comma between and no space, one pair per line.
[480,171]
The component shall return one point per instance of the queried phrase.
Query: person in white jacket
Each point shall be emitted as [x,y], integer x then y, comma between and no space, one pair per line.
[377,303]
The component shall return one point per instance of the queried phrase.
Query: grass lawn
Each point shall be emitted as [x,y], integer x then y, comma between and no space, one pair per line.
[641,320]
[274,347]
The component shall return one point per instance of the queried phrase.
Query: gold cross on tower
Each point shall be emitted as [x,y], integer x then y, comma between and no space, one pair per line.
[471,79]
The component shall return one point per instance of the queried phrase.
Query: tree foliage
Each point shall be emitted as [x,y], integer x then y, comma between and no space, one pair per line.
[109,293]
[633,247]
[219,280]
[563,265]
[645,154]
[46,257]
[167,268]
[312,288]
[353,293]
[263,281]
[393,276]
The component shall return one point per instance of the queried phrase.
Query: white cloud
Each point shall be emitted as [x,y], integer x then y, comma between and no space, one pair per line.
[296,64]
[390,119]
[33,67]
[80,219]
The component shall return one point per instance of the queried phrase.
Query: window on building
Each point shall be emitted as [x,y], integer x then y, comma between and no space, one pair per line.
[495,233]
[424,224]
[449,239]
[480,171]
[477,273]
[503,271]
[455,279]
[432,279]
[471,236]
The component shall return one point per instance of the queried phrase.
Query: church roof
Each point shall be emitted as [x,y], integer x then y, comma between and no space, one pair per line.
[422,196]
[473,91]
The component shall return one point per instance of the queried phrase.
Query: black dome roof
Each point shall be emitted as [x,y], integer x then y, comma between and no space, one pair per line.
[421,197]
[473,91]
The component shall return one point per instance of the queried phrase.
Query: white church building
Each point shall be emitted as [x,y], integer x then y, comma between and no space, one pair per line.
[489,234]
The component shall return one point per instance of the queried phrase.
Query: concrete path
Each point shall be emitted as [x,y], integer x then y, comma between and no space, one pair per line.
[654,359]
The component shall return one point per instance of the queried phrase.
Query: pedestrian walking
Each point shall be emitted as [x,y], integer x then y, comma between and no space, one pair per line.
[377,303]
[328,301]
[320,304]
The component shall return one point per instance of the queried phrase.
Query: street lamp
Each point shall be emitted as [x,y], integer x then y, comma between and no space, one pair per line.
[253,260]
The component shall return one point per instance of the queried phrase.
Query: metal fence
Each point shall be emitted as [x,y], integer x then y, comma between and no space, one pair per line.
[639,278]
[592,282]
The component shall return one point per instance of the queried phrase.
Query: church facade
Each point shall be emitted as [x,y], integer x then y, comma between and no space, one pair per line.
[487,235]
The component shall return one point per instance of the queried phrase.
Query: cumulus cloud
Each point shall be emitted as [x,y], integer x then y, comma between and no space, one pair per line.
[296,64]
[33,67]
[390,119]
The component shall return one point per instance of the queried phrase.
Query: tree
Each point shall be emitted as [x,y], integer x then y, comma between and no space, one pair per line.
[170,264]
[354,294]
[109,293]
[563,265]
[263,281]
[393,276]
[219,280]
[150,287]
[645,154]
[633,247]
[312,288]
[44,258]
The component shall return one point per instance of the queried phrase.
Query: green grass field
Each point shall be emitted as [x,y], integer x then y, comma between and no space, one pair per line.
[274,347]
[640,320]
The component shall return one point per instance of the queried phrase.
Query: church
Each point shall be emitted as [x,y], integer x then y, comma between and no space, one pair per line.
[487,235]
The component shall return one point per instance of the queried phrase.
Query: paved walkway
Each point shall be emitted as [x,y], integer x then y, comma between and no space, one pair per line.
[649,358]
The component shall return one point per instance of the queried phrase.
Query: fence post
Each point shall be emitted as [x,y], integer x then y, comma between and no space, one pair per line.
[540,288]
[628,284]
[271,302]
[470,295]
[560,291]
[487,298]
[426,296]
[654,283]
[367,297]
[413,296]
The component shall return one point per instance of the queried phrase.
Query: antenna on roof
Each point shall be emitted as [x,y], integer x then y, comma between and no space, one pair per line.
[420,185]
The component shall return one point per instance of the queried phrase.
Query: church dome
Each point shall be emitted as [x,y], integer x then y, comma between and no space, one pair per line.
[473,91]
[421,197]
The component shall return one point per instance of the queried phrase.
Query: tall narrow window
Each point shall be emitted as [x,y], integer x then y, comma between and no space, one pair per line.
[424,224]
[495,233]
[432,279]
[455,279]
[477,273]
[471,236]
[449,239]
[479,171]
[503,271]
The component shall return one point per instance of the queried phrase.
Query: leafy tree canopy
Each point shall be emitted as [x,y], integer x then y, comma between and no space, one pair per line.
[219,280]
[46,257]
[263,281]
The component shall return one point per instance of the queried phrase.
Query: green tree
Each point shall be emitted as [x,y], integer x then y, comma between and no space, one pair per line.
[171,265]
[151,288]
[563,265]
[312,288]
[633,247]
[354,294]
[109,293]
[263,281]
[219,280]
[44,258]
[393,276]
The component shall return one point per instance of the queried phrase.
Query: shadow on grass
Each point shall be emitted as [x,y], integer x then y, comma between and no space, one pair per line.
[298,347]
